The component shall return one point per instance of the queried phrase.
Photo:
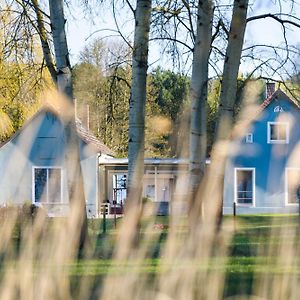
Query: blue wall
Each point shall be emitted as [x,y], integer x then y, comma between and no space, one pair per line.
[269,160]
[41,143]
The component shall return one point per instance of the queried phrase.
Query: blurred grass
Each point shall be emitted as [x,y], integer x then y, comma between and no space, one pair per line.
[248,255]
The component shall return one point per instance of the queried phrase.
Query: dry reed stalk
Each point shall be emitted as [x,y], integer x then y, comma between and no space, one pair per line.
[192,262]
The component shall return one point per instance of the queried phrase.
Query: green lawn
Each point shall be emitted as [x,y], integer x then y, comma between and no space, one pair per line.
[257,249]
[252,252]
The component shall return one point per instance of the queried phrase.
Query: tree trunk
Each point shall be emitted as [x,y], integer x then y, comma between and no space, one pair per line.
[198,94]
[231,68]
[64,83]
[228,95]
[44,40]
[138,98]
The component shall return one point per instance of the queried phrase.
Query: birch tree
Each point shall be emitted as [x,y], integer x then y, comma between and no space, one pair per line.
[228,94]
[138,96]
[44,39]
[198,93]
[64,84]
[231,68]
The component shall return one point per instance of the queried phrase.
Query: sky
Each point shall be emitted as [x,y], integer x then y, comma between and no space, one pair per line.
[82,28]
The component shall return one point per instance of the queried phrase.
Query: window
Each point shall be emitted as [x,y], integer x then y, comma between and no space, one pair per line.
[278,133]
[119,188]
[292,178]
[249,138]
[150,191]
[47,185]
[244,186]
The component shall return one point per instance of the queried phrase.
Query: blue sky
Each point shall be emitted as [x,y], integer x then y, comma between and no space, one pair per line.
[82,29]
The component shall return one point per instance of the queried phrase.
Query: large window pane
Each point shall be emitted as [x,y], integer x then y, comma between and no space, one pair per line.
[40,185]
[120,188]
[54,185]
[244,185]
[47,185]
[278,132]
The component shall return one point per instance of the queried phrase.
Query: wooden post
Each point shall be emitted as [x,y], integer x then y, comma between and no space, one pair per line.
[234,209]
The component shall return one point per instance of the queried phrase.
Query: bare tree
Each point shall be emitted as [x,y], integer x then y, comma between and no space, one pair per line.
[64,84]
[41,28]
[228,93]
[231,68]
[198,93]
[138,96]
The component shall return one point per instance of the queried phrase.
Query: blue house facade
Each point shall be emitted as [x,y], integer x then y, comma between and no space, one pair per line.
[32,164]
[262,172]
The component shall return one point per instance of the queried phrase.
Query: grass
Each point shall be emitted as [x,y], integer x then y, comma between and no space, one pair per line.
[248,253]
[255,252]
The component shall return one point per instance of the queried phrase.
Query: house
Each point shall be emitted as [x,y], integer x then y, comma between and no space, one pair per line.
[32,165]
[159,182]
[262,172]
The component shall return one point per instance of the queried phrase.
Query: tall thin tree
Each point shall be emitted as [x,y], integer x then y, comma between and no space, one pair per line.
[64,84]
[138,96]
[198,93]
[228,94]
[231,69]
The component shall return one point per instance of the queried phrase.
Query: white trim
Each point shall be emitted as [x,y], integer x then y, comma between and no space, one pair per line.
[278,108]
[286,186]
[249,138]
[253,186]
[159,176]
[61,183]
[287,131]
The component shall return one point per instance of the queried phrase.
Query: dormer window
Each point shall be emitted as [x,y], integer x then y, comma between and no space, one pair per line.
[278,133]
[249,138]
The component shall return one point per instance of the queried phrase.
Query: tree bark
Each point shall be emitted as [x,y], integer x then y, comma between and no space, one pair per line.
[198,94]
[138,97]
[44,40]
[231,68]
[228,95]
[64,84]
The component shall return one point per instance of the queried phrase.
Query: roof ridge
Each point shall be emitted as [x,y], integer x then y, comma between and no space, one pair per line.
[82,132]
[274,95]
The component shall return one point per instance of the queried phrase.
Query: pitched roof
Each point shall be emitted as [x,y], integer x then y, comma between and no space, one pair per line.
[83,133]
[89,138]
[241,126]
[278,94]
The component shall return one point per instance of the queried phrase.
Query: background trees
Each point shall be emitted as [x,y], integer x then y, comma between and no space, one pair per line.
[22,77]
[102,82]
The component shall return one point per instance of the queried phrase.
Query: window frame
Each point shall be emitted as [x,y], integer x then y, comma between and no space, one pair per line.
[253,186]
[249,138]
[114,174]
[33,184]
[271,141]
[287,203]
